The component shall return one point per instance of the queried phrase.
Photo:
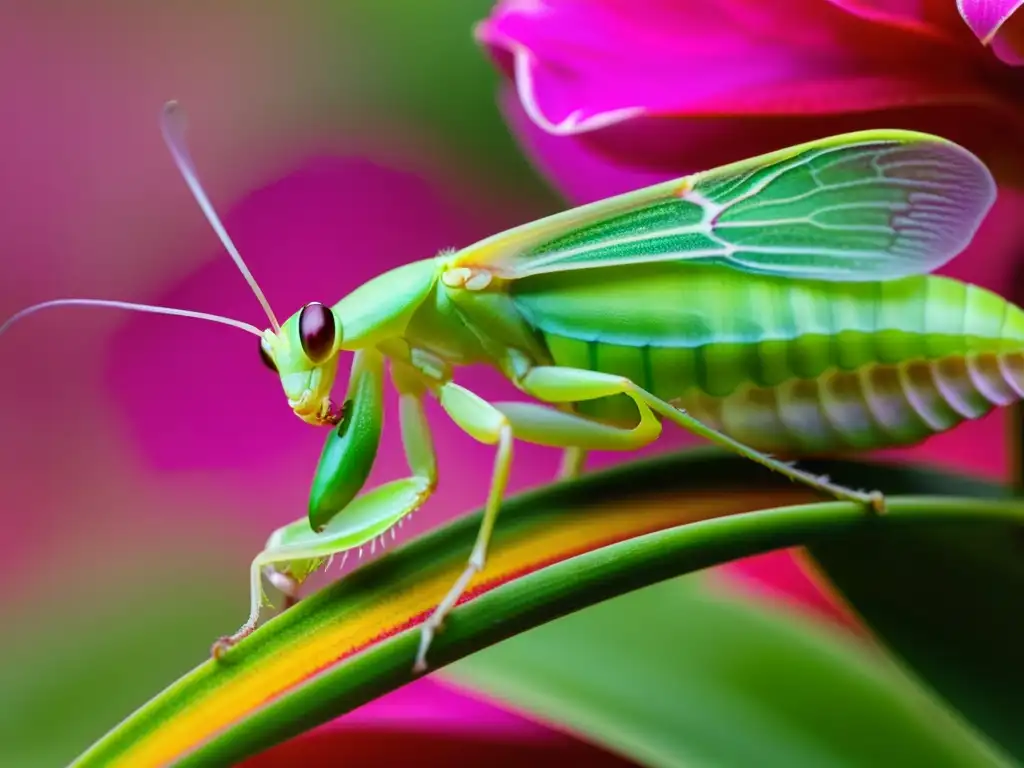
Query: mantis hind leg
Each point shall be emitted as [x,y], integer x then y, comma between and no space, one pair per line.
[487,424]
[558,385]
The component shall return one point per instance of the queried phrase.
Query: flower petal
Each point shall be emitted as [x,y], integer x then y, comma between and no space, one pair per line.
[1008,41]
[643,151]
[578,169]
[786,576]
[379,748]
[581,66]
[985,17]
[436,706]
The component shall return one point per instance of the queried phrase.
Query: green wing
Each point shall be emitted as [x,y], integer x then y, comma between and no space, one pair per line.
[873,205]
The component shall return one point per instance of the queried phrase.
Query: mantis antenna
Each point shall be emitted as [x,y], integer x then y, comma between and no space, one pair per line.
[134,307]
[173,124]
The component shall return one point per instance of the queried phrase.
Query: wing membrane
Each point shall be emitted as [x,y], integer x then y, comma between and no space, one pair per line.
[874,205]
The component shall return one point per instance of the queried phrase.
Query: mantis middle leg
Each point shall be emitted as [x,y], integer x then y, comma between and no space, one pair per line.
[498,424]
[559,385]
[573,460]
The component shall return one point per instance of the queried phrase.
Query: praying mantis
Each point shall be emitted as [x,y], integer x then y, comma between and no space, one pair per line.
[782,305]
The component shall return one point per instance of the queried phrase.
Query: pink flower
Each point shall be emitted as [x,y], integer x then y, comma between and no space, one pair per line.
[440,725]
[996,23]
[607,96]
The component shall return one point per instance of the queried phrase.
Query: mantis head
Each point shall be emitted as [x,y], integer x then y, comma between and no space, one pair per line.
[304,353]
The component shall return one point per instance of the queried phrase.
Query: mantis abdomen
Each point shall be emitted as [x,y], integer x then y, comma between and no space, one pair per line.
[789,366]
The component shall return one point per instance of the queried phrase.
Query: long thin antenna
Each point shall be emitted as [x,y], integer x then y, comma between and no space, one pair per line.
[134,307]
[173,125]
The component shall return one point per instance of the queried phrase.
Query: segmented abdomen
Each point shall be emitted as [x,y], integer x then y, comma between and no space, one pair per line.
[876,406]
[792,366]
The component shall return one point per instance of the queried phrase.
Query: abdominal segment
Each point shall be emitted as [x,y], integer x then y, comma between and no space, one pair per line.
[876,406]
[770,397]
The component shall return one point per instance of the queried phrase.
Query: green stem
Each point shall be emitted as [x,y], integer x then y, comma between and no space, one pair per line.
[551,592]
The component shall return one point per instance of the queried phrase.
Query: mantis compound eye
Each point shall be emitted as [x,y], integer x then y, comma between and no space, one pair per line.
[317,331]
[266,358]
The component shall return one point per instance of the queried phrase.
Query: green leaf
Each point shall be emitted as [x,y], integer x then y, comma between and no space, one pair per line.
[672,675]
[948,600]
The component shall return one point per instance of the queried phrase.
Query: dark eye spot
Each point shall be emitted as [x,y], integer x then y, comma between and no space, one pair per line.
[316,331]
[266,358]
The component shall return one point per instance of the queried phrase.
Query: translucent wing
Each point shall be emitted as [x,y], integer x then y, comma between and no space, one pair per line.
[873,205]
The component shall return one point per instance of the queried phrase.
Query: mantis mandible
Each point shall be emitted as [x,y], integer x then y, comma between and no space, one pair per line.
[778,305]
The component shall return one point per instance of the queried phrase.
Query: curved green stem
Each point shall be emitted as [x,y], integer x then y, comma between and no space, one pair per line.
[556,551]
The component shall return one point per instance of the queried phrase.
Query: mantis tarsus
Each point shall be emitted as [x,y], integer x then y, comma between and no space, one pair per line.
[779,304]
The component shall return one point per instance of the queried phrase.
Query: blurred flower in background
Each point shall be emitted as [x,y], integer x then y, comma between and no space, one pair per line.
[148,458]
[441,726]
[610,96]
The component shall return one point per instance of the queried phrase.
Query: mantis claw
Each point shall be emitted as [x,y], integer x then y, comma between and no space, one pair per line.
[434,625]
[420,667]
[227,642]
[221,647]
[286,584]
[428,632]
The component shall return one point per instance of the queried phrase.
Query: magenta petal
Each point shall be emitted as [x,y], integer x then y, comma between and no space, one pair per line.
[579,173]
[985,17]
[580,66]
[436,706]
[441,724]
[1008,52]
[783,576]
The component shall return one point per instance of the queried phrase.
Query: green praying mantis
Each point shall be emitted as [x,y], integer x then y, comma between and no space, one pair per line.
[778,306]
